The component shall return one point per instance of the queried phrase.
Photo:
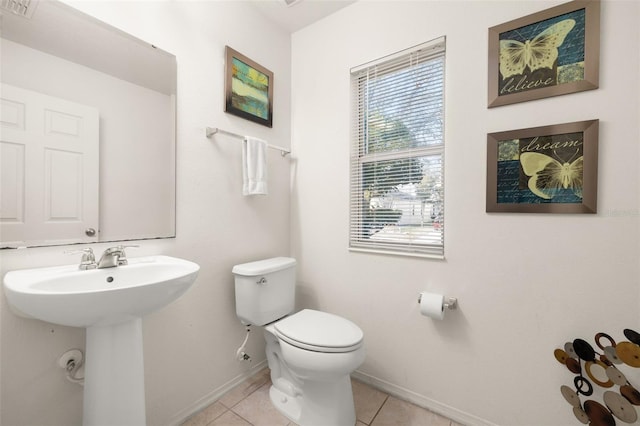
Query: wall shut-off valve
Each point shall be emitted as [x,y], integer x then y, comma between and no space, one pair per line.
[241,355]
[72,362]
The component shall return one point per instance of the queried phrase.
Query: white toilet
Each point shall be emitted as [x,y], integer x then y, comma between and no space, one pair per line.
[311,354]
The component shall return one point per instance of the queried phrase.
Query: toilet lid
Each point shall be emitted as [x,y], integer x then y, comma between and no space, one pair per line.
[319,331]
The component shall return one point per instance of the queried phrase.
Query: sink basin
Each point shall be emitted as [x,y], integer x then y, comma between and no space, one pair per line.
[68,296]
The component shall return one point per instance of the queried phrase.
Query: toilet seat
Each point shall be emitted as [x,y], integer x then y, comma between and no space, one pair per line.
[319,331]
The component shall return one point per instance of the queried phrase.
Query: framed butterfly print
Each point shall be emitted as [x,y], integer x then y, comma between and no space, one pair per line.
[550,169]
[549,53]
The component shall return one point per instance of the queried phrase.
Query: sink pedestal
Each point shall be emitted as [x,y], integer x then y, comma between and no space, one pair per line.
[114,375]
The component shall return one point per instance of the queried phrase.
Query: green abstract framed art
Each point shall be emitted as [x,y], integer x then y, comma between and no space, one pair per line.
[248,89]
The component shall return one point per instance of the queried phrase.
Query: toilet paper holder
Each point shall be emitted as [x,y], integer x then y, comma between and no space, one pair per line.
[449,303]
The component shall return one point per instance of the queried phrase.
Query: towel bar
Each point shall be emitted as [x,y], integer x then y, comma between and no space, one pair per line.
[213,130]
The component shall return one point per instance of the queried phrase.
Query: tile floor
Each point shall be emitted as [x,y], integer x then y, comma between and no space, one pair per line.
[248,404]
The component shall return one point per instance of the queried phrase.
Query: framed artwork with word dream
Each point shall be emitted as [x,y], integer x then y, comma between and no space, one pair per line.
[549,53]
[549,169]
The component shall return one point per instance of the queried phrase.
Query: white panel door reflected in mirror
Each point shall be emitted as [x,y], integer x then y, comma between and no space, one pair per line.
[49,176]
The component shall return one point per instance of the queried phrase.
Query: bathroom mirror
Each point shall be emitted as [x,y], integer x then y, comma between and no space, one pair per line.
[87,131]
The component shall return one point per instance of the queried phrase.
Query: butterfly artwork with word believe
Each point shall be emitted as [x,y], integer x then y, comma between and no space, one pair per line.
[553,53]
[543,54]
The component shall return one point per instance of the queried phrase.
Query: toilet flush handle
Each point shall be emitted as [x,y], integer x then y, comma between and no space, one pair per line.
[262,281]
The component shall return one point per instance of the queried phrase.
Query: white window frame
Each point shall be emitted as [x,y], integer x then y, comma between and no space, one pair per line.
[371,233]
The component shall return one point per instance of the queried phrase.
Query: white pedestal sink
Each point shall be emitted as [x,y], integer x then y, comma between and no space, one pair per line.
[110,304]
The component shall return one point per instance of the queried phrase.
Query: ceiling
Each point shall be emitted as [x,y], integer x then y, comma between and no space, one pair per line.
[300,14]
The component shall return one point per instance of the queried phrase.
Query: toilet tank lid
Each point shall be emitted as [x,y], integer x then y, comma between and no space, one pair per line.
[261,267]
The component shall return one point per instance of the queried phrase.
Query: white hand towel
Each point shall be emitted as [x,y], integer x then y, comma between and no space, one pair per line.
[254,166]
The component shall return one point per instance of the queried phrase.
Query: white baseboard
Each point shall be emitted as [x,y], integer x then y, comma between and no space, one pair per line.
[215,395]
[421,401]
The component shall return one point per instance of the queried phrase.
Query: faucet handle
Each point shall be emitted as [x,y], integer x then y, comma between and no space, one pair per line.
[88,260]
[122,259]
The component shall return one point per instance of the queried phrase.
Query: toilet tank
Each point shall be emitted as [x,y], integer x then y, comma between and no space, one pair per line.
[265,290]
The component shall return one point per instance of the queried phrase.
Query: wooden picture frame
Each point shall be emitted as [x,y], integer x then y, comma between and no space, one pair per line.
[248,88]
[549,169]
[549,53]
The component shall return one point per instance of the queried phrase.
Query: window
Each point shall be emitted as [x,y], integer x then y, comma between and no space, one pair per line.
[397,187]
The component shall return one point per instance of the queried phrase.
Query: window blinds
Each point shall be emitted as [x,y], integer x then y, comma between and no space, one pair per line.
[397,179]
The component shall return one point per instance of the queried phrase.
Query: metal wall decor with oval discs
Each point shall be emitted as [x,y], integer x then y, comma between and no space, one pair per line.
[593,368]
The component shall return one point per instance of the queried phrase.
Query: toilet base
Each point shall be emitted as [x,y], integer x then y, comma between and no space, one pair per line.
[287,405]
[332,403]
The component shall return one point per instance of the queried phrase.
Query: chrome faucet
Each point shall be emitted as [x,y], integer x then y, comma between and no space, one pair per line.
[113,256]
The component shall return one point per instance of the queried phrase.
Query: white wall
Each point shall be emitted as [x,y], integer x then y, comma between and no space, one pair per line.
[189,345]
[525,283]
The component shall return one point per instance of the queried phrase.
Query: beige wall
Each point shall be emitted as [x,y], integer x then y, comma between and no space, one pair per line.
[526,283]
[190,345]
